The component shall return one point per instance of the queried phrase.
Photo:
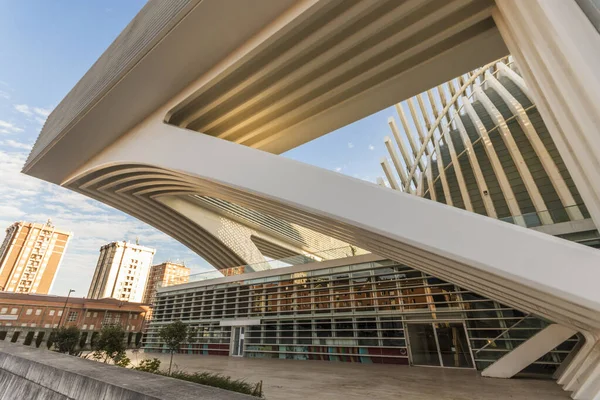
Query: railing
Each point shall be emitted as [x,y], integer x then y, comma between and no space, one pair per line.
[308,258]
[533,219]
[490,342]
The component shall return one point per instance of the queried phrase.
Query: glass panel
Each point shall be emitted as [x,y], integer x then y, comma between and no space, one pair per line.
[422,344]
[453,345]
[236,341]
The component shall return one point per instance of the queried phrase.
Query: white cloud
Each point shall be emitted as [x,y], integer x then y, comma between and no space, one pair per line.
[23,109]
[38,113]
[15,144]
[10,211]
[8,127]
[371,147]
[4,94]
[44,112]
[93,224]
[338,169]
[350,145]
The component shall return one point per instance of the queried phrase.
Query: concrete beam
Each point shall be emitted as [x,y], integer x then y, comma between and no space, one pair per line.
[528,352]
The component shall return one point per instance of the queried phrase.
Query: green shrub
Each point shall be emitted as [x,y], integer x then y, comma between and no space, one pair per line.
[66,339]
[220,381]
[149,365]
[83,339]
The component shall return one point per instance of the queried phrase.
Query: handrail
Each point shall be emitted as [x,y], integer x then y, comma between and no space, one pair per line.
[506,330]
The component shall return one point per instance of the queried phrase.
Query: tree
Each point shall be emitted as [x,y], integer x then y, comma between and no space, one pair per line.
[110,345]
[65,339]
[174,335]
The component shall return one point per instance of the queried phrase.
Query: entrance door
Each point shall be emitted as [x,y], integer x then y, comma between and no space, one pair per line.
[237,341]
[454,348]
[439,344]
[423,344]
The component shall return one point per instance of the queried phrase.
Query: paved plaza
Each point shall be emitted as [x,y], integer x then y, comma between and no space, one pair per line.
[291,380]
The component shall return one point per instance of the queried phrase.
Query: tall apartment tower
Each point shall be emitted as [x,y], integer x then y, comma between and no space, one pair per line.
[30,256]
[121,272]
[165,274]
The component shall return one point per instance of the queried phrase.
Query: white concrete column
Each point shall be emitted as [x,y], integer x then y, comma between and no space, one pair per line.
[388,174]
[407,160]
[458,171]
[515,153]
[507,191]
[424,112]
[417,123]
[396,161]
[430,179]
[528,352]
[546,160]
[487,200]
[556,47]
[442,174]
[410,136]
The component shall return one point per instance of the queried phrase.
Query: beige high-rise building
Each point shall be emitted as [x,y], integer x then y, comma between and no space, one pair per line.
[165,274]
[121,272]
[30,256]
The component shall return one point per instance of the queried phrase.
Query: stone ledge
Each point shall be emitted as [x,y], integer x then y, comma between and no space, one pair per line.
[49,375]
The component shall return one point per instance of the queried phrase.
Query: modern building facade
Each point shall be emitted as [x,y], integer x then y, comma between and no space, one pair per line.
[30,257]
[357,309]
[214,117]
[489,152]
[165,274]
[121,272]
[31,318]
[371,310]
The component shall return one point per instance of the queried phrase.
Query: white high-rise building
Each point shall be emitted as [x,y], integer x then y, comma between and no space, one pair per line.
[121,272]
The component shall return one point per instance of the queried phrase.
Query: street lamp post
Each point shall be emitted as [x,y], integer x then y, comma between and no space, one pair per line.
[64,307]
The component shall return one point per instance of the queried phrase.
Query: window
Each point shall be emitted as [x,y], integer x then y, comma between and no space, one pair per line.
[84,327]
[46,325]
[91,326]
[107,318]
[14,311]
[87,314]
[95,315]
[51,313]
[72,316]
[29,311]
[38,311]
[60,313]
[4,310]
[33,325]
[23,324]
[55,326]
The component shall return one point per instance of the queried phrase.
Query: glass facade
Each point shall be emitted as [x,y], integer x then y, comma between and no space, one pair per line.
[374,312]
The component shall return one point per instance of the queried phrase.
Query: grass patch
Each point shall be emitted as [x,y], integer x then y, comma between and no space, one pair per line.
[220,381]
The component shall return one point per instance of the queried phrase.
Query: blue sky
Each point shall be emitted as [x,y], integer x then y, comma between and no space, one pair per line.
[45,48]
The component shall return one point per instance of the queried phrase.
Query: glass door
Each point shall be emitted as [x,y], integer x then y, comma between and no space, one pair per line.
[237,341]
[439,344]
[454,348]
[423,344]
